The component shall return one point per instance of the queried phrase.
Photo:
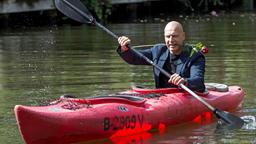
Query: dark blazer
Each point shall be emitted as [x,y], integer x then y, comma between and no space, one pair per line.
[190,67]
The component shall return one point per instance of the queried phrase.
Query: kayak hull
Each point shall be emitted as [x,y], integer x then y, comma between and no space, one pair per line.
[73,119]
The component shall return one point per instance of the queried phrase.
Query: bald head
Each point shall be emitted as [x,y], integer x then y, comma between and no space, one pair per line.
[174,25]
[174,37]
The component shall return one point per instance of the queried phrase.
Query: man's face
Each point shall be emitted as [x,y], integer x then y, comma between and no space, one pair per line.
[174,38]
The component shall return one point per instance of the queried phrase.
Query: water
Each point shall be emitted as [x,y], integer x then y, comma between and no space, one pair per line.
[40,64]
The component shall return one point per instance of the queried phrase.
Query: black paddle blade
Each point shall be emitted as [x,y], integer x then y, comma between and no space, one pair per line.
[228,119]
[75,10]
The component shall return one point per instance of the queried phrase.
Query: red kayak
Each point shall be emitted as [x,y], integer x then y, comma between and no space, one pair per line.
[138,110]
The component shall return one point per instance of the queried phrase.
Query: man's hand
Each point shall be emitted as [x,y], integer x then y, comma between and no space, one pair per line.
[123,42]
[177,80]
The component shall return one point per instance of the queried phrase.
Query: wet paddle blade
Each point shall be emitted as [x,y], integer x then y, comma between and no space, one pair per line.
[228,119]
[75,10]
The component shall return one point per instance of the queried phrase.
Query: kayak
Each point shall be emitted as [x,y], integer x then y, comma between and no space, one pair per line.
[138,110]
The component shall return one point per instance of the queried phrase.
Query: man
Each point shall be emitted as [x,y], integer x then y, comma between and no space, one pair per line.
[174,56]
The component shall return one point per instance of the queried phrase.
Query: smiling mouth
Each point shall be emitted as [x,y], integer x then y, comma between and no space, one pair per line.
[172,46]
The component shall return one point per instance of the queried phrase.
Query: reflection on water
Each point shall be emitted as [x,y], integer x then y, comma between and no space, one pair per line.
[40,64]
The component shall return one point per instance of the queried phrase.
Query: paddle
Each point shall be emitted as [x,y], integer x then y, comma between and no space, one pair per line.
[76,10]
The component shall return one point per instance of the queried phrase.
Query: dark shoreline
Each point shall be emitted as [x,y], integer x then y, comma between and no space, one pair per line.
[153,12]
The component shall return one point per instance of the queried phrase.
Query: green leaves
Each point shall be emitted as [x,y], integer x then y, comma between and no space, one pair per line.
[199,47]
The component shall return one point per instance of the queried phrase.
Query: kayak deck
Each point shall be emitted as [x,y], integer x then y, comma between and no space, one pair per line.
[128,112]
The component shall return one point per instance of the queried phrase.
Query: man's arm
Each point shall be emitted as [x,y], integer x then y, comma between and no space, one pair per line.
[129,55]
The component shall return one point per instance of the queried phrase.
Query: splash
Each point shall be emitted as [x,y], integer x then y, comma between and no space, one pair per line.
[250,122]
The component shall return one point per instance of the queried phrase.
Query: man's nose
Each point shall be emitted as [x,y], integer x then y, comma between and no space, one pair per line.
[171,39]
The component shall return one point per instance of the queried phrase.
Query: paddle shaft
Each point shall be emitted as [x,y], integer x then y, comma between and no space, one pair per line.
[141,46]
[197,97]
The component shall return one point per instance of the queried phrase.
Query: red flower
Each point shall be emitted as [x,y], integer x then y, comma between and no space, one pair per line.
[204,50]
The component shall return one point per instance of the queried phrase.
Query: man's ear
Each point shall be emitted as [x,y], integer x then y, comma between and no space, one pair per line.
[184,36]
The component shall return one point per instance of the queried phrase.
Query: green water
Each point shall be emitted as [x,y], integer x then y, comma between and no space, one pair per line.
[40,64]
